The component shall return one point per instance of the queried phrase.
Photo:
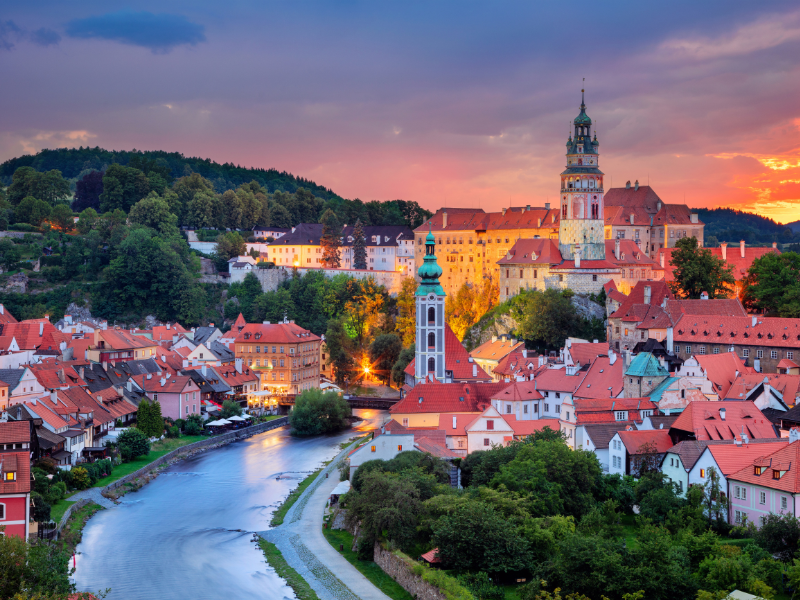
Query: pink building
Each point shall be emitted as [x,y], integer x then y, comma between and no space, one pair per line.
[179,396]
[770,484]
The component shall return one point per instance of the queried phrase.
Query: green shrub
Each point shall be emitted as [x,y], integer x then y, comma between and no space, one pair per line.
[133,443]
[22,227]
[194,425]
[481,586]
[40,509]
[80,478]
[53,260]
[174,432]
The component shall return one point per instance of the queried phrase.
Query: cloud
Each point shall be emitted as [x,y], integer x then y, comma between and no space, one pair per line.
[8,29]
[160,33]
[45,37]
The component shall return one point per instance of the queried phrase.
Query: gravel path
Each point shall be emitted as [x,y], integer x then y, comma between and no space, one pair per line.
[94,495]
[305,548]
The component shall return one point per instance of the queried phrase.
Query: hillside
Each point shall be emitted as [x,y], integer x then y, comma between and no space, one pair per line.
[794,226]
[74,161]
[729,225]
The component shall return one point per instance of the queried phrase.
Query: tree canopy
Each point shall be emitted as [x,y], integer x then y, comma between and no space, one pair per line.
[697,270]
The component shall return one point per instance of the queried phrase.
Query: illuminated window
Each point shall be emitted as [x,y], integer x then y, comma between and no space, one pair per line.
[372,449]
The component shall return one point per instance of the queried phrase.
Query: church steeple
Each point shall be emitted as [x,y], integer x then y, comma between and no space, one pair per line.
[430,271]
[429,356]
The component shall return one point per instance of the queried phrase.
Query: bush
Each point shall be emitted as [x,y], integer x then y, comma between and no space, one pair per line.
[80,478]
[318,412]
[40,509]
[181,423]
[194,425]
[230,409]
[53,260]
[174,432]
[133,443]
[47,464]
[481,586]
[22,227]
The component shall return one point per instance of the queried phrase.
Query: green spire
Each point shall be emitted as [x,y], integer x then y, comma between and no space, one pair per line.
[430,271]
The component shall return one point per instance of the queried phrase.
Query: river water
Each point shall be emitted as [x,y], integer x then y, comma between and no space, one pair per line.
[179,536]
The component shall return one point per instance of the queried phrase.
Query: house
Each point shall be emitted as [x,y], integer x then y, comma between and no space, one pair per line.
[729,458]
[680,459]
[489,354]
[179,396]
[558,388]
[603,379]
[422,406]
[643,375]
[520,365]
[29,335]
[722,420]
[768,485]
[22,383]
[15,478]
[631,452]
[580,352]
[622,324]
[388,445]
[487,430]
[243,382]
[767,391]
[633,262]
[721,370]
[596,438]
[206,335]
[526,266]
[114,345]
[519,399]
[694,375]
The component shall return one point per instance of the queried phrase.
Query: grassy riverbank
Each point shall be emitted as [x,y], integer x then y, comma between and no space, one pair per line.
[280,513]
[73,531]
[368,568]
[293,579]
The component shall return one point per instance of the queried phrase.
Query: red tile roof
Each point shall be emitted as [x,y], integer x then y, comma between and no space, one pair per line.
[733,258]
[448,398]
[557,380]
[121,339]
[785,461]
[79,347]
[6,316]
[517,391]
[540,251]
[585,264]
[233,378]
[733,457]
[722,370]
[788,364]
[275,333]
[457,360]
[426,444]
[516,364]
[466,219]
[462,422]
[15,432]
[726,307]
[634,440]
[704,421]
[723,331]
[602,380]
[633,307]
[497,349]
[525,428]
[621,215]
[602,410]
[644,197]
[430,557]
[787,385]
[27,334]
[20,463]
[173,385]
[630,254]
[586,353]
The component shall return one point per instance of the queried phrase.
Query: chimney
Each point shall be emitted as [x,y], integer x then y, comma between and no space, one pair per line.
[612,357]
[80,372]
[455,422]
[703,295]
[210,324]
[647,294]
[239,363]
[724,246]
[2,309]
[203,370]
[753,320]
[444,219]
[149,376]
[722,413]
[658,206]
[53,396]
[524,353]
[494,339]
[527,207]
[540,221]
[694,217]
[741,248]
[163,381]
[474,370]
[616,248]
[105,366]
[504,212]
[130,385]
[774,245]
[41,326]
[185,362]
[631,218]
[628,184]
[661,259]
[578,257]
[636,185]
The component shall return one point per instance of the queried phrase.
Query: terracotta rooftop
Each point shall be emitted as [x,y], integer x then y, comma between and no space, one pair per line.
[275,333]
[704,420]
[785,461]
[497,349]
[448,398]
[457,360]
[723,331]
[602,380]
[643,442]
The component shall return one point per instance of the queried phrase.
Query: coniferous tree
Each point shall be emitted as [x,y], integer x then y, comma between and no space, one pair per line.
[359,247]
[331,239]
[143,417]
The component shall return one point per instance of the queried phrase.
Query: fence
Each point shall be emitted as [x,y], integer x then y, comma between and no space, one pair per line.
[217,440]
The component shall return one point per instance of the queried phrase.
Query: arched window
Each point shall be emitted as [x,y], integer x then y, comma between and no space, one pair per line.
[564,211]
[432,365]
[580,161]
[431,315]
[431,340]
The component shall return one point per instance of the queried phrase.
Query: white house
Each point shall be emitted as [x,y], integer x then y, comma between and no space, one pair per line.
[488,429]
[22,385]
[201,355]
[693,373]
[520,399]
[629,447]
[382,447]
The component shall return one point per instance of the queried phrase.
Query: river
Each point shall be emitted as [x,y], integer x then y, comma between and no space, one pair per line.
[178,537]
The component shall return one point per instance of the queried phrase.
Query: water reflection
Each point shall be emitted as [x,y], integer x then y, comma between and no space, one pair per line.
[188,533]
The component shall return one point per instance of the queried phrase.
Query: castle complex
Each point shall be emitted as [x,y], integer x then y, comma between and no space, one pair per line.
[590,239]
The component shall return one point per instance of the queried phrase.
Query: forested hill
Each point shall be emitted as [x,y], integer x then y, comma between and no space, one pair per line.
[72,162]
[729,225]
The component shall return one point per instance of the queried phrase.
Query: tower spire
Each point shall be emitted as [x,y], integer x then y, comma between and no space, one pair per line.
[583,86]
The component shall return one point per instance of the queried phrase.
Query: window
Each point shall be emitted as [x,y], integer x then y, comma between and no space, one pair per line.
[773,354]
[744,493]
[2,512]
[431,365]
[372,449]
[485,441]
[783,503]
[702,473]
[405,422]
[508,409]
[619,415]
[702,350]
[762,497]
[525,409]
[745,352]
[431,339]
[558,395]
[194,395]
[716,349]
[737,491]
[738,512]
[759,354]
[535,273]
[155,397]
[431,315]
[187,409]
[194,407]
[460,443]
[399,447]
[489,424]
[789,355]
[546,407]
[10,476]
[688,349]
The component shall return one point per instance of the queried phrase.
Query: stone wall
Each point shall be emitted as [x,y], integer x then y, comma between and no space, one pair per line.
[399,570]
[269,279]
[67,513]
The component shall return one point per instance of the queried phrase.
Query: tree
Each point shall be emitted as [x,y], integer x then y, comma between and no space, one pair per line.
[406,323]
[331,240]
[194,425]
[10,254]
[153,211]
[80,478]
[122,188]
[772,284]
[61,217]
[87,220]
[339,350]
[474,537]
[231,409]
[359,247]
[133,443]
[87,191]
[30,569]
[384,352]
[32,210]
[148,418]
[49,187]
[779,535]
[697,270]
[547,317]
[231,244]
[399,367]
[317,412]
[715,502]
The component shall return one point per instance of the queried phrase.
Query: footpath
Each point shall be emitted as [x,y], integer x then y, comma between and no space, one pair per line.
[305,548]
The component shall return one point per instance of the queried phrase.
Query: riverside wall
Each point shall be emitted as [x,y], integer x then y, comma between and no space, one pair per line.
[399,570]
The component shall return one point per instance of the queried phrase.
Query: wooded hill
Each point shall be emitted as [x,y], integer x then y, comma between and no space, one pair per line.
[730,225]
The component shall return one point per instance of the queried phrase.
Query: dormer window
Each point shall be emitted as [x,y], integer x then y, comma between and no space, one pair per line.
[758,470]
[10,476]
[777,474]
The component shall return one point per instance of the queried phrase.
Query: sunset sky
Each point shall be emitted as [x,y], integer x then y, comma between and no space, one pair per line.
[455,103]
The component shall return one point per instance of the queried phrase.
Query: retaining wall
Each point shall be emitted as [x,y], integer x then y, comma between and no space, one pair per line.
[399,570]
[217,440]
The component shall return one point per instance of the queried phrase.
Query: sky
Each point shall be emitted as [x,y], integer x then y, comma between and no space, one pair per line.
[449,103]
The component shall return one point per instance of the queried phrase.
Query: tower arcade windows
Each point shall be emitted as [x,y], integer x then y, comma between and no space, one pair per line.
[431,315]
[431,365]
[431,339]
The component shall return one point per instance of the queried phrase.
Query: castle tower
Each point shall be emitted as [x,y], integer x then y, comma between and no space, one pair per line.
[429,354]
[582,194]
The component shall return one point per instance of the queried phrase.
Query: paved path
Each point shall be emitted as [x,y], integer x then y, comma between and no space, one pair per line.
[302,544]
[93,494]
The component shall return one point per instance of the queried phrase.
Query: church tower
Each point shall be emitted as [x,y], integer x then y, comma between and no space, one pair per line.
[581,230]
[429,354]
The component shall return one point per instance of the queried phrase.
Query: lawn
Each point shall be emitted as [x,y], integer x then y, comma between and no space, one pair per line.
[157,450]
[370,570]
[280,513]
[59,508]
[275,559]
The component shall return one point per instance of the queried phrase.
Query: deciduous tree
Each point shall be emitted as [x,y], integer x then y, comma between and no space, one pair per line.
[317,412]
[406,323]
[331,240]
[772,284]
[87,191]
[61,217]
[697,270]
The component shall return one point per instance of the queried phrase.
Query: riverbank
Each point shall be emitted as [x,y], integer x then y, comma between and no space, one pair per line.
[293,579]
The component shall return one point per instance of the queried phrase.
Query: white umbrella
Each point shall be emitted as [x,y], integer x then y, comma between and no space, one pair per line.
[212,423]
[236,418]
[223,422]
